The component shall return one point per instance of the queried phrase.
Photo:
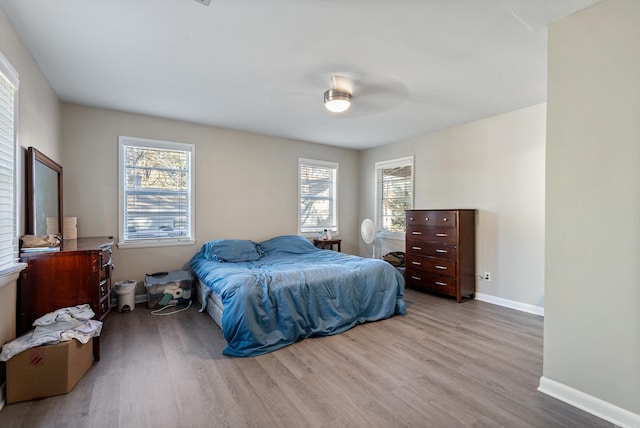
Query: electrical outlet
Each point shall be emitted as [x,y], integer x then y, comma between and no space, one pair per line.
[487,276]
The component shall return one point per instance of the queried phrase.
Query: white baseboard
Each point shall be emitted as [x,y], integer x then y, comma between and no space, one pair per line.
[524,307]
[590,404]
[140,298]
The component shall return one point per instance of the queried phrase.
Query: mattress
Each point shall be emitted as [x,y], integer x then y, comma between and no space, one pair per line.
[213,304]
[267,295]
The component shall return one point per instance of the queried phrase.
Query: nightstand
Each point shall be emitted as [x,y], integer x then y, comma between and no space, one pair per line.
[324,243]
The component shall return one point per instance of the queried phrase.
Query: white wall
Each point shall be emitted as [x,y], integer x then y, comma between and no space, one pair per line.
[592,316]
[246,184]
[494,165]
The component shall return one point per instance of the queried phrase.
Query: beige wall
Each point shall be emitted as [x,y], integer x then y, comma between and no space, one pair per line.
[592,322]
[495,165]
[38,126]
[246,184]
[7,311]
[39,115]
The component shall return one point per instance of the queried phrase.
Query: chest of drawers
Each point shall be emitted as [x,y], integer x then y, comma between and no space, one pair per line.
[440,252]
[77,274]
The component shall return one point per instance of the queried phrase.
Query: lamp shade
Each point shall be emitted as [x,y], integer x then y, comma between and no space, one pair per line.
[337,101]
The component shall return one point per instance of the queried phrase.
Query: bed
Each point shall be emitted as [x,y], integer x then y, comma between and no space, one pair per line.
[267,295]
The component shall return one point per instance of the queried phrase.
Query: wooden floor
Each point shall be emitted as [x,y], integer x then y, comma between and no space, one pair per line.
[443,364]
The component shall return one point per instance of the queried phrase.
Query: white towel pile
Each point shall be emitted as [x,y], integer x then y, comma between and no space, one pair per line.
[59,326]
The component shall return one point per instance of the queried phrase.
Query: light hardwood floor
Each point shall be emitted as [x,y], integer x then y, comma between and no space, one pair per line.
[444,364]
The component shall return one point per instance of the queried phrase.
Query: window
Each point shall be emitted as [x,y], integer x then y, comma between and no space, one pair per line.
[156,193]
[394,190]
[8,214]
[318,184]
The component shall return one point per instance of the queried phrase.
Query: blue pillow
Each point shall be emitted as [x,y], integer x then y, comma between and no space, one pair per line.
[230,250]
[287,244]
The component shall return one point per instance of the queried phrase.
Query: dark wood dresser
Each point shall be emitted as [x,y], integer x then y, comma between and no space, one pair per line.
[441,252]
[79,273]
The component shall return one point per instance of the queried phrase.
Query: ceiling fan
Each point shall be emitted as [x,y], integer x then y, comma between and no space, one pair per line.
[359,93]
[368,93]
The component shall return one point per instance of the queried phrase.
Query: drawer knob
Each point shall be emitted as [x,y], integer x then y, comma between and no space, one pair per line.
[445,219]
[441,234]
[416,248]
[426,219]
[441,284]
[439,250]
[416,263]
[416,233]
[441,267]
[416,278]
[411,218]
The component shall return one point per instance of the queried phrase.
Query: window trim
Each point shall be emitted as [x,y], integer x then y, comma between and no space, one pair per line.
[124,141]
[403,161]
[10,270]
[320,163]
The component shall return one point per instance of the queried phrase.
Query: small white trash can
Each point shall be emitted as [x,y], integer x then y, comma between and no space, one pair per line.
[126,294]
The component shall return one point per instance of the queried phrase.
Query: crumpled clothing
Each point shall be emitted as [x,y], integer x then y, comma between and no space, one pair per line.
[80,312]
[55,327]
[82,332]
[65,319]
[33,241]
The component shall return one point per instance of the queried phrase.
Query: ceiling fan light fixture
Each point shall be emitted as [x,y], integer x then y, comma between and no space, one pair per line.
[337,101]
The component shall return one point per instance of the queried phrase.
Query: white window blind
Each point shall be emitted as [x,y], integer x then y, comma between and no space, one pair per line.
[156,197]
[318,190]
[394,190]
[8,215]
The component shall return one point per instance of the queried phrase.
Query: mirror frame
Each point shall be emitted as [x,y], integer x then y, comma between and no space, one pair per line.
[33,158]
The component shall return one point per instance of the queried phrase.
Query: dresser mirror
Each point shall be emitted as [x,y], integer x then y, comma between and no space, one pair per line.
[44,194]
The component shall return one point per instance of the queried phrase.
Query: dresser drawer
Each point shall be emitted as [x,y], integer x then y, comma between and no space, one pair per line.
[430,264]
[105,288]
[435,234]
[431,218]
[104,307]
[106,262]
[430,281]
[431,249]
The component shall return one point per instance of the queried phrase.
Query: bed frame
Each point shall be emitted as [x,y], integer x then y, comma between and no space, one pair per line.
[214,304]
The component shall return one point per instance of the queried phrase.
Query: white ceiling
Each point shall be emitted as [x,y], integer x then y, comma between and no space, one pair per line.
[263,65]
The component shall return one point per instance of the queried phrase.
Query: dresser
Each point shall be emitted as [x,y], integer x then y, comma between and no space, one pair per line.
[441,252]
[79,273]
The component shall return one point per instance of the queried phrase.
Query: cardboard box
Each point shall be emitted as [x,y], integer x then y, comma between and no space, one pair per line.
[69,228]
[168,288]
[47,370]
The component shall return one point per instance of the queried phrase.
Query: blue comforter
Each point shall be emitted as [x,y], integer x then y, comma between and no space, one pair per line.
[294,290]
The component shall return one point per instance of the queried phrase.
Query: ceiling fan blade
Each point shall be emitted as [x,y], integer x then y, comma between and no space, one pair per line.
[371,93]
